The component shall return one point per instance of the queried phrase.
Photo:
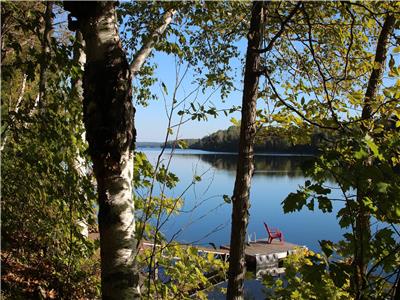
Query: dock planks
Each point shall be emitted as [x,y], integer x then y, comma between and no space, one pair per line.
[261,255]
[261,247]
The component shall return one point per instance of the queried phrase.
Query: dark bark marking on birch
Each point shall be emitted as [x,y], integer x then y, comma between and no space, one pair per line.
[108,117]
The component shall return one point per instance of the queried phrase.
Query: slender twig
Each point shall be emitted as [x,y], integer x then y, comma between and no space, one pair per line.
[281,30]
[292,108]
[319,68]
[353,19]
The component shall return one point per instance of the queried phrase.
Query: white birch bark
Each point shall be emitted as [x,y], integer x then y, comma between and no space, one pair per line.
[77,91]
[17,107]
[146,49]
[108,117]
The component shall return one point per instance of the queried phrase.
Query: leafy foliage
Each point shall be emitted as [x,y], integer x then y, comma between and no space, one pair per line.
[200,36]
[44,197]
[307,277]
[328,71]
[317,74]
[185,271]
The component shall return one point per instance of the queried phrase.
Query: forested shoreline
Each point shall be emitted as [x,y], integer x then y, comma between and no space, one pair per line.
[80,200]
[268,140]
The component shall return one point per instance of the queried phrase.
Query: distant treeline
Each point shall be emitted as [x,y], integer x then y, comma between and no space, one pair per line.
[148,144]
[268,139]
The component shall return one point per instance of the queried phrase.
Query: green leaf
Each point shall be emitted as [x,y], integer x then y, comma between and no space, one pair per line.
[326,247]
[310,205]
[164,88]
[339,273]
[324,204]
[197,178]
[368,202]
[227,199]
[374,148]
[382,187]
[361,154]
[234,122]
[193,251]
[182,144]
[294,201]
[210,256]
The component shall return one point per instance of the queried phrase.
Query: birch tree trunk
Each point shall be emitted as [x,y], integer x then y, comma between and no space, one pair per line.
[362,226]
[77,93]
[108,117]
[245,165]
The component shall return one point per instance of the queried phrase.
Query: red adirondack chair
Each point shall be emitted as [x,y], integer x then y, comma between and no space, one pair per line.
[273,233]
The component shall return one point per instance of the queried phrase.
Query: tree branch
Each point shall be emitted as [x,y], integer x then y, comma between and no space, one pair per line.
[353,19]
[45,45]
[281,30]
[360,4]
[292,108]
[146,49]
[324,79]
[379,65]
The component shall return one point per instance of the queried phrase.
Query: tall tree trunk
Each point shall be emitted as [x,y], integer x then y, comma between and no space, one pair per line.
[108,117]
[46,53]
[79,59]
[245,165]
[375,78]
[362,226]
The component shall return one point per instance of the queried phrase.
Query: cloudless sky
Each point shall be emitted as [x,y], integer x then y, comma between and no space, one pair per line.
[152,121]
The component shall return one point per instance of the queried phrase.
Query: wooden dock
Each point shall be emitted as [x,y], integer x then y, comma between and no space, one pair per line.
[264,258]
[218,253]
[261,257]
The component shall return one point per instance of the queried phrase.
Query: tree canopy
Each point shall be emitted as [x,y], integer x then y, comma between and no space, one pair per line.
[321,78]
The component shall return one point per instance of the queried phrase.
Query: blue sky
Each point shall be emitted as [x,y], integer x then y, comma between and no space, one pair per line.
[151,121]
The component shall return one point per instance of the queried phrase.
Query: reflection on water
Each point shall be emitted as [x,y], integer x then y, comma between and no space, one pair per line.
[206,218]
[264,165]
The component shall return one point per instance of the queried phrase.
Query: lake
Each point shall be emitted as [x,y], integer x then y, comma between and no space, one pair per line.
[206,218]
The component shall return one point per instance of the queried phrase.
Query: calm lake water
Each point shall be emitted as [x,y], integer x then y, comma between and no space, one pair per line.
[205,217]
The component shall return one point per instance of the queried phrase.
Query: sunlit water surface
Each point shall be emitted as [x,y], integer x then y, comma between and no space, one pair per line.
[205,217]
